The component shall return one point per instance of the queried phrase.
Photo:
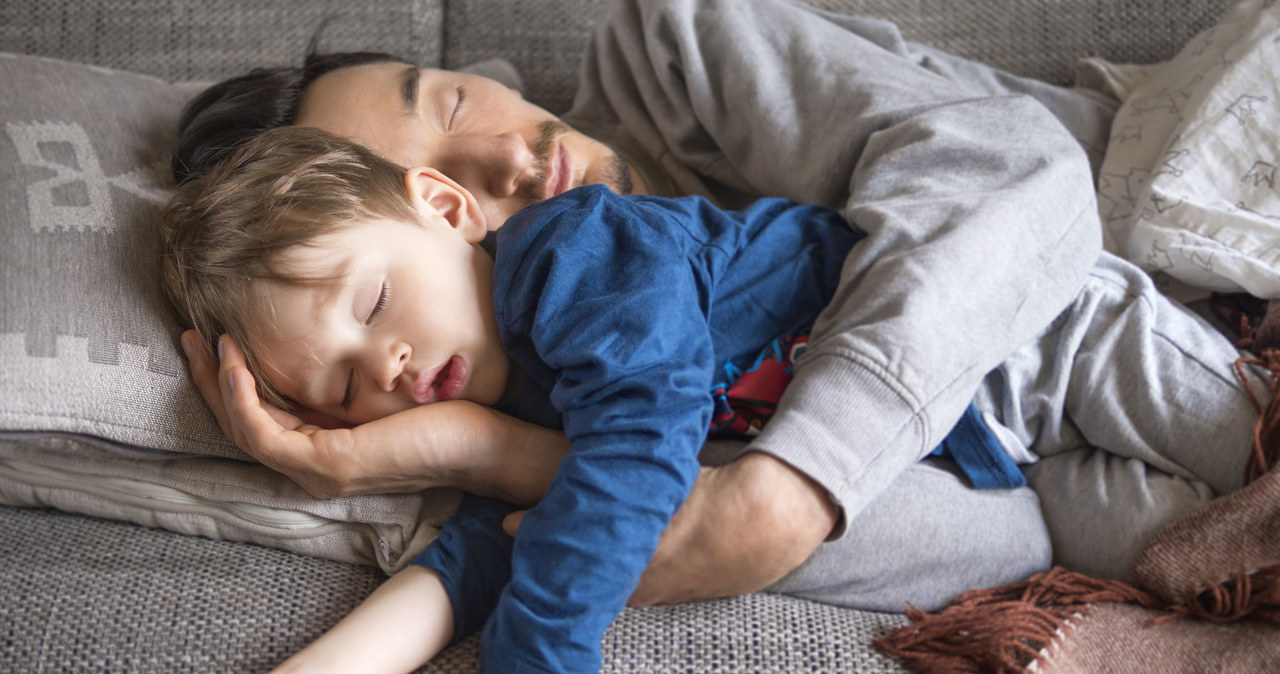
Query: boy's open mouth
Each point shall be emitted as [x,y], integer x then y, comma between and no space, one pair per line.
[445,382]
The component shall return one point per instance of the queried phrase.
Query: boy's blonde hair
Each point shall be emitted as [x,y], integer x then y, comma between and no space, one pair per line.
[227,229]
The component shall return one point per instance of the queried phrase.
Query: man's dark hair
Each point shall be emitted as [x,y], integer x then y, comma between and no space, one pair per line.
[222,117]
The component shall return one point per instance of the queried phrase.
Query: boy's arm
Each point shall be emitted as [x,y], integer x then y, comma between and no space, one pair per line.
[452,443]
[627,357]
[398,628]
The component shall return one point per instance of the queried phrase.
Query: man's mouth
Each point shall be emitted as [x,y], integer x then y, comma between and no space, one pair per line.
[444,382]
[559,172]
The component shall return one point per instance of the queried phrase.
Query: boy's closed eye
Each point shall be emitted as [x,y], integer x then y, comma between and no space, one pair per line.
[384,296]
[346,392]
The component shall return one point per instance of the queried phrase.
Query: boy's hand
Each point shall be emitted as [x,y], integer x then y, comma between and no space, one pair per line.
[454,443]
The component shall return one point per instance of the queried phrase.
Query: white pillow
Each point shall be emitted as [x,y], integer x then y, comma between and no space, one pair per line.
[1187,189]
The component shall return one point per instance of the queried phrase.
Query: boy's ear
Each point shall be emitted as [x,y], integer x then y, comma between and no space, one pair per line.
[432,192]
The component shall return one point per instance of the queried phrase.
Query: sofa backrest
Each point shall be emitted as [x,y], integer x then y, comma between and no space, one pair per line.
[201,40]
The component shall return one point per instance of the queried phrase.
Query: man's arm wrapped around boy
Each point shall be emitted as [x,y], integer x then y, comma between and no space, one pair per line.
[979,209]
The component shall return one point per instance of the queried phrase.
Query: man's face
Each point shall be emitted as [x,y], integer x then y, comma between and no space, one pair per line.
[403,317]
[506,151]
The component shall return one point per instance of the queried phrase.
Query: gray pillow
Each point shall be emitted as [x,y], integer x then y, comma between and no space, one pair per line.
[88,345]
[97,412]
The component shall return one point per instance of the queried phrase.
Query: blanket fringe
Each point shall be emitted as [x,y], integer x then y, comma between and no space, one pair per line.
[1257,327]
[1003,629]
[1266,434]
[1245,595]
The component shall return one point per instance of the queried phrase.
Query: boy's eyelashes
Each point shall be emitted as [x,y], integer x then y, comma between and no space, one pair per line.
[346,393]
[381,304]
[384,295]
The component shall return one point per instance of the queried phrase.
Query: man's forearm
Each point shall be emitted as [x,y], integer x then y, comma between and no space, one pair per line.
[457,444]
[745,525]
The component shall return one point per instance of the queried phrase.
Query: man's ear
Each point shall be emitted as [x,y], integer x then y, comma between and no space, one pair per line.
[433,193]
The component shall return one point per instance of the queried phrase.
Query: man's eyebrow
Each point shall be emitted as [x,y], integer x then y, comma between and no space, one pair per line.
[409,89]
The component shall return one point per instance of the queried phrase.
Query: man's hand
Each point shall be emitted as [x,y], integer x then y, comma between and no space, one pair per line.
[453,443]
[744,526]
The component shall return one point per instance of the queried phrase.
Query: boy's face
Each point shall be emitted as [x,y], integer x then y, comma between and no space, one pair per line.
[505,150]
[407,320]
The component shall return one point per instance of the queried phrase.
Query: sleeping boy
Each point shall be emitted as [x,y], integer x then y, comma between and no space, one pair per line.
[362,291]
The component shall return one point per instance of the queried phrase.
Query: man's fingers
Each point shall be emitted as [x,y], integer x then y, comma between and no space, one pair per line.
[204,374]
[245,405]
[229,352]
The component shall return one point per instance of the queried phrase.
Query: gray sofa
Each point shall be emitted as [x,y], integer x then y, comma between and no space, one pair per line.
[81,593]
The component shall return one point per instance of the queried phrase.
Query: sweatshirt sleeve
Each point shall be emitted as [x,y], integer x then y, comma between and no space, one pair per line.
[979,209]
[614,324]
[472,554]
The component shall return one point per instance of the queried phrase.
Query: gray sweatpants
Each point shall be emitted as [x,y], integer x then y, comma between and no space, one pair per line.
[1132,406]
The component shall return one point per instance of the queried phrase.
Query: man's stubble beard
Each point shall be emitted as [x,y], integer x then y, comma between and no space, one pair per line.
[616,174]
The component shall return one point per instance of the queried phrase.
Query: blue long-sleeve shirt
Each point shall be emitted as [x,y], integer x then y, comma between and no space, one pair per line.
[624,313]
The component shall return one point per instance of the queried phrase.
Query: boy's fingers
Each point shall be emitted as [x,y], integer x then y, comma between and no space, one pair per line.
[511,523]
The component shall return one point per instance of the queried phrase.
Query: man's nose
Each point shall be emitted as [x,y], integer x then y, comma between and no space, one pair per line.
[497,164]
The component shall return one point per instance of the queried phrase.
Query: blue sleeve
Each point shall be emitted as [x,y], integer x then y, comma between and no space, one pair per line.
[472,554]
[619,319]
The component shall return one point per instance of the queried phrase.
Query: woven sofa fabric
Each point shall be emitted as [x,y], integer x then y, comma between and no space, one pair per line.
[204,40]
[543,38]
[91,595]
[1044,38]
[181,40]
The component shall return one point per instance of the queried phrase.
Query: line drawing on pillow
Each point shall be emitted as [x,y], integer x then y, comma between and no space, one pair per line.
[1245,106]
[1172,164]
[1162,205]
[1158,258]
[1123,207]
[1128,132]
[1200,259]
[1169,100]
[1261,172]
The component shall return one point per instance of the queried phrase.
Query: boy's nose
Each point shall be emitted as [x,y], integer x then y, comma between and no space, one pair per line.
[393,366]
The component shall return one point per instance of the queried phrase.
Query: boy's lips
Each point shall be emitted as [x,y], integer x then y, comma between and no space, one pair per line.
[443,382]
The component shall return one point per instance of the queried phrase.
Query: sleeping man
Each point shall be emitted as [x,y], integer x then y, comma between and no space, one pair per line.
[963,187]
[360,290]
